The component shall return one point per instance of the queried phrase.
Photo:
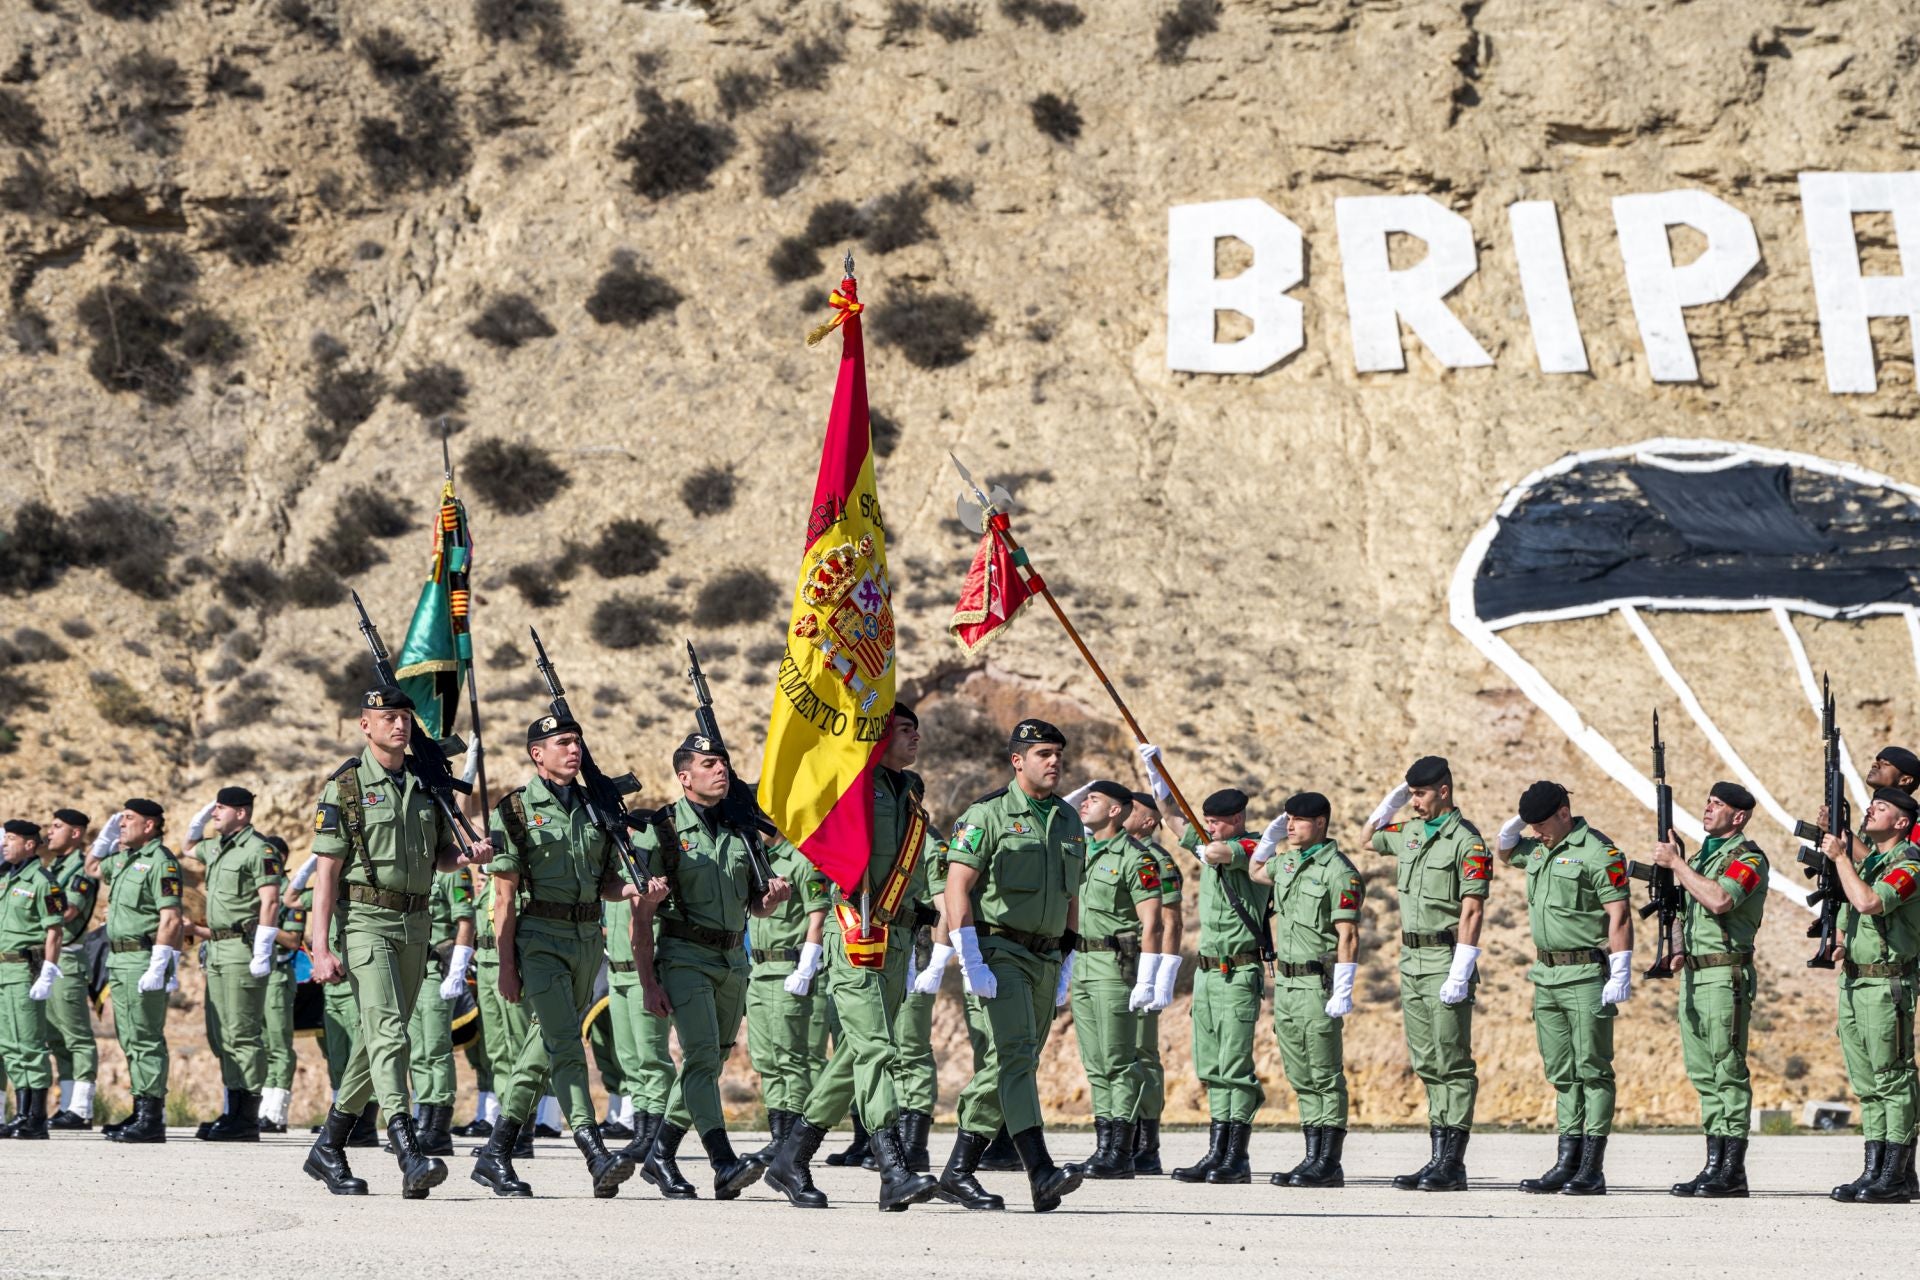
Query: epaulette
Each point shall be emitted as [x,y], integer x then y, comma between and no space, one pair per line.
[350,766]
[991,795]
[1469,826]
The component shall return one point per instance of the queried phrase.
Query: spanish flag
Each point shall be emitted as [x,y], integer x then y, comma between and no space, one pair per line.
[835,690]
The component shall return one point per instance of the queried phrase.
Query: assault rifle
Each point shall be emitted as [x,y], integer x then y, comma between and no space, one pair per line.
[1827,892]
[1664,895]
[602,795]
[739,810]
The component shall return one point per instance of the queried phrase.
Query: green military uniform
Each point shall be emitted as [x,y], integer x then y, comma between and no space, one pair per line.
[1568,888]
[1313,890]
[1121,873]
[1718,984]
[564,863]
[1877,995]
[639,1039]
[430,1029]
[1228,986]
[140,883]
[506,1027]
[388,832]
[1441,861]
[69,1011]
[238,866]
[281,989]
[780,1026]
[1153,1092]
[340,1012]
[31,902]
[1031,859]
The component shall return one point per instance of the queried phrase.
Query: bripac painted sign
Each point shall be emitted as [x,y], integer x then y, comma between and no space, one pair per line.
[1381,299]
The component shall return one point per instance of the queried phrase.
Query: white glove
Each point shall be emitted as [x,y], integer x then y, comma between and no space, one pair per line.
[198,827]
[1270,839]
[1510,831]
[456,972]
[1163,980]
[1395,801]
[1141,997]
[263,938]
[928,983]
[1066,980]
[1156,785]
[800,981]
[974,974]
[1454,989]
[108,840]
[1619,988]
[304,874]
[913,969]
[159,960]
[1340,1003]
[43,985]
[472,769]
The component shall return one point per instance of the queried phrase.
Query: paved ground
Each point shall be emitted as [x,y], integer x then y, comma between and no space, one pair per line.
[79,1206]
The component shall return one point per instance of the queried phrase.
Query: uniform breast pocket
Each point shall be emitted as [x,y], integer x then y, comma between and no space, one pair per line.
[1103,888]
[1020,868]
[1567,886]
[382,825]
[1439,882]
[1073,869]
[1307,905]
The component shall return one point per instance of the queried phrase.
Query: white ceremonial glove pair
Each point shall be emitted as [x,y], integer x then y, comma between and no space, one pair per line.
[1510,831]
[263,938]
[1395,801]
[1270,839]
[1140,999]
[1460,975]
[1163,979]
[974,974]
[456,972]
[1619,988]
[43,985]
[928,982]
[159,963]
[800,981]
[1150,758]
[1340,1003]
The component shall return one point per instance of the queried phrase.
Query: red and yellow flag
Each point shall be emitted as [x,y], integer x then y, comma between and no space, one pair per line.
[835,690]
[993,592]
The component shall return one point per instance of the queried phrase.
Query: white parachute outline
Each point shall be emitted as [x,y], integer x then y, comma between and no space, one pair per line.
[1677,454]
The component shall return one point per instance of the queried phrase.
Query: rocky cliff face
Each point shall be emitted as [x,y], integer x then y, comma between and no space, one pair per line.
[262,253]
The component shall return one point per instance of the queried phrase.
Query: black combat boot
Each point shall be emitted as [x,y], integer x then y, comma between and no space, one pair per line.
[900,1187]
[788,1173]
[366,1132]
[609,1169]
[436,1133]
[1325,1169]
[662,1165]
[1889,1186]
[1000,1155]
[1411,1181]
[957,1183]
[857,1150]
[1451,1173]
[1875,1153]
[615,1131]
[778,1122]
[474,1128]
[1102,1141]
[327,1158]
[30,1116]
[645,1125]
[731,1174]
[1113,1160]
[241,1123]
[1047,1180]
[1206,1164]
[419,1173]
[1233,1167]
[914,1126]
[1310,1132]
[1715,1147]
[1146,1147]
[1591,1178]
[1729,1178]
[1564,1163]
[149,1123]
[66,1120]
[494,1165]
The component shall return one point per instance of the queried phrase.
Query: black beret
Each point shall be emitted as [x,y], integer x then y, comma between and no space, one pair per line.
[1146,801]
[21,827]
[1899,800]
[1428,771]
[1224,804]
[73,818]
[1033,733]
[1309,804]
[386,698]
[234,797]
[1732,793]
[1903,760]
[550,727]
[1111,790]
[145,808]
[1541,801]
[905,711]
[701,744]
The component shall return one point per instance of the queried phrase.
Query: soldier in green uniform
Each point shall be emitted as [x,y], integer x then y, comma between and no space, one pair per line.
[1879,932]
[1113,984]
[145,928]
[640,1039]
[866,1000]
[290,924]
[1726,887]
[76,1056]
[1583,947]
[1015,864]
[553,870]
[1143,823]
[1444,874]
[700,974]
[915,1073]
[32,906]
[1316,900]
[786,952]
[505,1027]
[382,838]
[243,878]
[430,1030]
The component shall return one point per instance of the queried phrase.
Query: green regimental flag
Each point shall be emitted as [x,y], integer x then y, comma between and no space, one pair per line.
[437,657]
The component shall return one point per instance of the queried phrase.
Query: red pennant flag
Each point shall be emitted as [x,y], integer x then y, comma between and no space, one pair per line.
[992,594]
